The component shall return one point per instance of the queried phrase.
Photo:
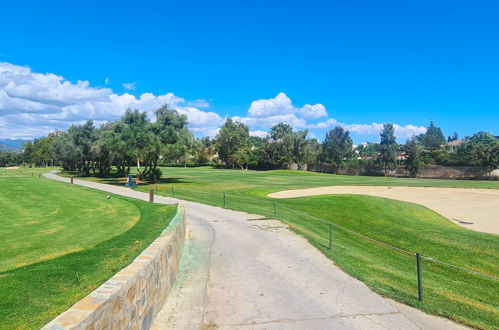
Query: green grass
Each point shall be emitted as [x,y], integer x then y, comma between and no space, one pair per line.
[43,219]
[458,295]
[60,242]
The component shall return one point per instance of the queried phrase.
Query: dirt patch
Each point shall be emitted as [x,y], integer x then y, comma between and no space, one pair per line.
[210,326]
[476,209]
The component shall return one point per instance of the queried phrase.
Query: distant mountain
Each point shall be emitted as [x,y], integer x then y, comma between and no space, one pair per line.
[12,145]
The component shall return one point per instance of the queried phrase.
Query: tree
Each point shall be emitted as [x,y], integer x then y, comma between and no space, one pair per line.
[413,161]
[303,150]
[433,138]
[232,137]
[337,147]
[259,158]
[242,157]
[368,150]
[9,158]
[481,149]
[204,150]
[454,137]
[28,151]
[311,152]
[387,148]
[280,145]
[280,131]
[285,147]
[169,129]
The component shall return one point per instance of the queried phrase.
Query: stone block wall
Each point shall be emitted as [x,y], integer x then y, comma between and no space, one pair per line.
[132,297]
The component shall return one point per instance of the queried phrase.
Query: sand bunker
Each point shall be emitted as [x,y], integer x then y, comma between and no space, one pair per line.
[12,168]
[476,209]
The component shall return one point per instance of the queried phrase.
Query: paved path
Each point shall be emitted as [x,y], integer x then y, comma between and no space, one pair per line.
[242,273]
[476,209]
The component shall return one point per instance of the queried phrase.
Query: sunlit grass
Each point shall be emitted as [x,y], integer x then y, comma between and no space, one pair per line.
[59,242]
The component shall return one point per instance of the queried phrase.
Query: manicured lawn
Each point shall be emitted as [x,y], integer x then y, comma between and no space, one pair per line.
[456,294]
[59,242]
[43,219]
[461,296]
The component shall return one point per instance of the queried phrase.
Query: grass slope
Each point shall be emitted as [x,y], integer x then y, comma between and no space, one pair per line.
[108,235]
[461,296]
[458,295]
[43,219]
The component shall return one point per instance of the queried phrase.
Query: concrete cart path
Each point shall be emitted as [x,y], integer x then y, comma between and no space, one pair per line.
[242,273]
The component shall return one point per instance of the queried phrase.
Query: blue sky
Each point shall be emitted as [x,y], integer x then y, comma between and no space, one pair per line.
[365,62]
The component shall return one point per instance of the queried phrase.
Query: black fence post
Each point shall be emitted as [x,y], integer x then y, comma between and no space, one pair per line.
[225,197]
[71,180]
[173,192]
[420,277]
[275,213]
[151,196]
[330,236]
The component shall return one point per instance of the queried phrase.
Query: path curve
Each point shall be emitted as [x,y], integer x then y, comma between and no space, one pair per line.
[242,273]
[476,209]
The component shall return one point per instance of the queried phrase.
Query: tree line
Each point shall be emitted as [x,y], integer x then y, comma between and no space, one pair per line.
[136,141]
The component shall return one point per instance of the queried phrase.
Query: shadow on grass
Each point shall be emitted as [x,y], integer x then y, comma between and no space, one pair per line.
[118,180]
[121,181]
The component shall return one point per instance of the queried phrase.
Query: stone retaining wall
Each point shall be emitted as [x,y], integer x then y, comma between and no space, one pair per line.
[132,297]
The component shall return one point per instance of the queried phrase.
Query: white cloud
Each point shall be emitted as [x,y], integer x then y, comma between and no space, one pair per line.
[282,105]
[365,129]
[309,111]
[129,86]
[265,113]
[200,103]
[401,132]
[268,122]
[324,124]
[34,104]
[407,131]
[258,133]
[279,105]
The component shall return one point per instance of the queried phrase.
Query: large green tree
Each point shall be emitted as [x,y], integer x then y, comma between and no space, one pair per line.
[75,147]
[387,148]
[10,158]
[232,137]
[413,161]
[433,138]
[284,146]
[481,149]
[170,128]
[337,147]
